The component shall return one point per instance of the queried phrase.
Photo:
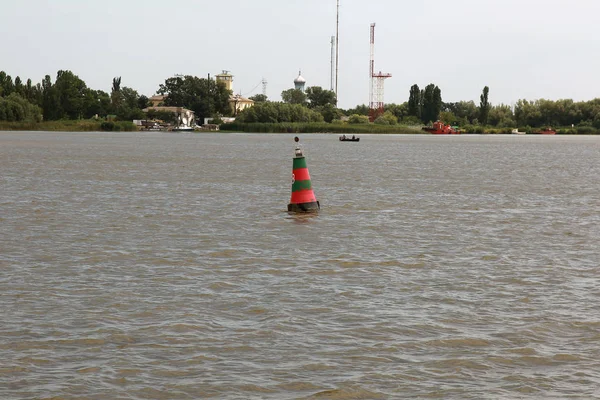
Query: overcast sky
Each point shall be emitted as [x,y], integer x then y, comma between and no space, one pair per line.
[521,49]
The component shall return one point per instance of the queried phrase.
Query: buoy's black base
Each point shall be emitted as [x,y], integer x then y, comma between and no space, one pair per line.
[304,207]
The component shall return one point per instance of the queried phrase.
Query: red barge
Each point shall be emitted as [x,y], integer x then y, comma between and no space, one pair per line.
[439,128]
[545,131]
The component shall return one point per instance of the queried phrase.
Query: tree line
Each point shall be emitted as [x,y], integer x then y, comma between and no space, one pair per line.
[68,97]
[425,106]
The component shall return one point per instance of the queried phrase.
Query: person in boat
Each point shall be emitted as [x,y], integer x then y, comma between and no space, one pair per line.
[353,137]
[344,137]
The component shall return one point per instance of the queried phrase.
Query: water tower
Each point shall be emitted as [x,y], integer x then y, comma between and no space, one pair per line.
[227,78]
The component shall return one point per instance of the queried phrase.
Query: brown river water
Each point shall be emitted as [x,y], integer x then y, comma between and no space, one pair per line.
[165,266]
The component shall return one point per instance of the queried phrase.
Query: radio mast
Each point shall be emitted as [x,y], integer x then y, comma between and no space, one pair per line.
[337,48]
[376,85]
[332,62]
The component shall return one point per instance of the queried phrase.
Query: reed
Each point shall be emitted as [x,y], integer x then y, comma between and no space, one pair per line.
[318,127]
[68,126]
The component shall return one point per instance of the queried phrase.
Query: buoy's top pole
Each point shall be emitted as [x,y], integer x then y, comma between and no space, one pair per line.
[298,151]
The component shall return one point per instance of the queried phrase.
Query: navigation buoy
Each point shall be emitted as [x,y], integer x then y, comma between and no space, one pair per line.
[303,198]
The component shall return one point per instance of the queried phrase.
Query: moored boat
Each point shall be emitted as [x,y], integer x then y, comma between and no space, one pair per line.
[545,131]
[439,128]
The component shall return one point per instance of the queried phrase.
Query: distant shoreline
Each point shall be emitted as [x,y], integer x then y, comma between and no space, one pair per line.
[275,128]
[69,126]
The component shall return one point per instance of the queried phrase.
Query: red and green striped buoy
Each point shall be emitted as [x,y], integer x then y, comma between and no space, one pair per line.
[303,198]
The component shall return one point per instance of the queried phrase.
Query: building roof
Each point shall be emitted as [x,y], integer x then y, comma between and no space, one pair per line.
[240,99]
[299,79]
[224,74]
[170,109]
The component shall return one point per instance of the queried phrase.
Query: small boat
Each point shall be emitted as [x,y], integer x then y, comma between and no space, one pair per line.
[545,131]
[516,132]
[345,138]
[183,129]
[439,128]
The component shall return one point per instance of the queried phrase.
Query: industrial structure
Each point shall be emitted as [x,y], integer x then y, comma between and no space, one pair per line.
[376,84]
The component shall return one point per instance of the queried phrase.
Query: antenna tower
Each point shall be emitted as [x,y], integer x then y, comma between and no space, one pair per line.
[337,48]
[332,60]
[264,84]
[376,86]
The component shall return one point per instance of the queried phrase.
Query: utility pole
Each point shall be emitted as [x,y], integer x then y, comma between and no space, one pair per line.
[337,48]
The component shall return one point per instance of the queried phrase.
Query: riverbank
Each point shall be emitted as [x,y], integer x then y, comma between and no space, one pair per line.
[321,127]
[69,126]
[389,129]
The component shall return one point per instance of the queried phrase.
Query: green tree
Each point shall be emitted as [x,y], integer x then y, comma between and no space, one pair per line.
[6,84]
[329,112]
[272,112]
[501,116]
[414,101]
[448,117]
[294,96]
[115,94]
[96,102]
[130,97]
[398,110]
[527,113]
[19,87]
[2,82]
[70,92]
[432,103]
[319,97]
[29,91]
[15,108]
[362,109]
[206,97]
[128,102]
[259,98]
[143,102]
[484,106]
[465,111]
[49,100]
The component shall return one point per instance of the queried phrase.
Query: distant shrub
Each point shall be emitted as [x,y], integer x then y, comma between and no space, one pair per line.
[216,120]
[358,119]
[585,130]
[473,129]
[411,120]
[387,118]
